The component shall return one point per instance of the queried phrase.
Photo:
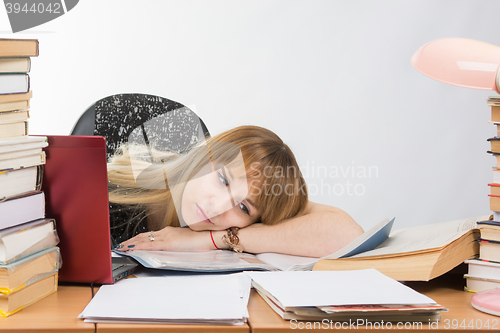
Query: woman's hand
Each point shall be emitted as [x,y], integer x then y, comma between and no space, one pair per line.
[169,239]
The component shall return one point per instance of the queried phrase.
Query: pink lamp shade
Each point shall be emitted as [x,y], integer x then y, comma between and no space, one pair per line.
[461,62]
[487,301]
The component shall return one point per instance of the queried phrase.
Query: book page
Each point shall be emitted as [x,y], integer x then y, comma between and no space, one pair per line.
[423,237]
[327,288]
[205,261]
[243,279]
[367,241]
[285,261]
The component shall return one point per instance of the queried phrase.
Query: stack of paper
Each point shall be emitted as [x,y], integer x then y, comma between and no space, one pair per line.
[343,295]
[175,300]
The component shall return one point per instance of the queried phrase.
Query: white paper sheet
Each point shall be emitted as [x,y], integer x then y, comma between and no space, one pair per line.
[322,288]
[220,299]
[243,279]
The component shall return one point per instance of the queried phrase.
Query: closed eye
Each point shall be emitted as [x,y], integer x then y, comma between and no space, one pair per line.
[223,179]
[243,208]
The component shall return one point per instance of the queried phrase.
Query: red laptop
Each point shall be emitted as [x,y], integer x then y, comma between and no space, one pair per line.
[75,183]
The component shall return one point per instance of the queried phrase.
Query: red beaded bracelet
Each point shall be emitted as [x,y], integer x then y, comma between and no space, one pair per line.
[213,240]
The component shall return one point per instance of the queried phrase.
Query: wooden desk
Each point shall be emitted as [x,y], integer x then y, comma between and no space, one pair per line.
[446,290]
[140,328]
[57,312]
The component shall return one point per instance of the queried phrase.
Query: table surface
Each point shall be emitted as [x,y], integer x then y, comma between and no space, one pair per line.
[59,311]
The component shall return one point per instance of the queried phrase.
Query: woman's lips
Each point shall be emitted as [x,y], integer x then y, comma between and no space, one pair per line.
[202,215]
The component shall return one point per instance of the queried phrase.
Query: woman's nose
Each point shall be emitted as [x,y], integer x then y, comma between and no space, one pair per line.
[221,202]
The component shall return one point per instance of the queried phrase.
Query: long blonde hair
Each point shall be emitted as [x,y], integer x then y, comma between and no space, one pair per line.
[269,163]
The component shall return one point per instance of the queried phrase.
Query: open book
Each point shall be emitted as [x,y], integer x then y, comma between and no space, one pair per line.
[418,253]
[228,261]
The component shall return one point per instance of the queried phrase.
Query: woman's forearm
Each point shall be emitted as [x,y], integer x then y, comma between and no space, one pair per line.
[315,234]
[320,231]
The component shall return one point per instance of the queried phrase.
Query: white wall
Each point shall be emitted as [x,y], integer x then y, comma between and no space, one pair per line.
[332,78]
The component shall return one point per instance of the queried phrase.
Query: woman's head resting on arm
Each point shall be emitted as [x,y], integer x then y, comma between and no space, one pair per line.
[253,177]
[236,178]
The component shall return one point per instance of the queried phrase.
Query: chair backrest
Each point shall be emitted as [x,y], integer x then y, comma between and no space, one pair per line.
[142,118]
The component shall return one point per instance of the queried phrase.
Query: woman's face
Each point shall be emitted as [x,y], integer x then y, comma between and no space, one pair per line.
[219,197]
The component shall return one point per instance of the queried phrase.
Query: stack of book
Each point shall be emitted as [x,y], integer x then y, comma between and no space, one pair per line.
[494,103]
[29,258]
[15,64]
[484,272]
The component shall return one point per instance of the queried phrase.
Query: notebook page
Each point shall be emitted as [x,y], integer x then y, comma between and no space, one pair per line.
[321,288]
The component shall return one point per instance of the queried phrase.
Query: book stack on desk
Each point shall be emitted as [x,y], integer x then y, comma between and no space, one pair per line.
[484,273]
[29,258]
[20,155]
[494,103]
[15,94]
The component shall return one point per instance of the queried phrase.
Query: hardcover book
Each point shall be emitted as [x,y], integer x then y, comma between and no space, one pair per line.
[23,297]
[18,47]
[14,116]
[20,182]
[9,130]
[419,253]
[15,98]
[23,209]
[23,272]
[23,240]
[14,83]
[15,65]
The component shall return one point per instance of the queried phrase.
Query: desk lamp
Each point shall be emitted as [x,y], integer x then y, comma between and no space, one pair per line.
[460,62]
[465,63]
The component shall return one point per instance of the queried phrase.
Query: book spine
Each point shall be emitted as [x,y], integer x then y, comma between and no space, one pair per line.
[39,177]
[10,84]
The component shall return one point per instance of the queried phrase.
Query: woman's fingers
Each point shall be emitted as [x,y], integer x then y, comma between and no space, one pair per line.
[145,241]
[151,246]
[169,239]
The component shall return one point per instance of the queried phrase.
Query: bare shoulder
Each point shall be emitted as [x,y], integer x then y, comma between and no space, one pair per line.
[340,217]
[313,207]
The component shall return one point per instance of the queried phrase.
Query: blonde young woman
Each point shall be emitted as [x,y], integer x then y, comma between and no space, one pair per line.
[242,190]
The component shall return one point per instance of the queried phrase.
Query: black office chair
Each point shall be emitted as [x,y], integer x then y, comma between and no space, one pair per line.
[142,118]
